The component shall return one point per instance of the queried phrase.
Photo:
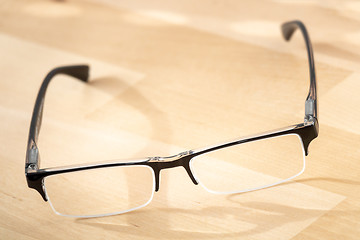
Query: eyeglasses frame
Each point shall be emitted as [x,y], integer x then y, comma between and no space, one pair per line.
[307,131]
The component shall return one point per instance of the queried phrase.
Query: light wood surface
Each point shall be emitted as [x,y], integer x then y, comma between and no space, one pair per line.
[169,76]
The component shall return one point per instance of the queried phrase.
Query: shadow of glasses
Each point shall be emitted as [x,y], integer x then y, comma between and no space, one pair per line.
[160,127]
[242,219]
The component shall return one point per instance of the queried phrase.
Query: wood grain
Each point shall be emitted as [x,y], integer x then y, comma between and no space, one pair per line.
[172,76]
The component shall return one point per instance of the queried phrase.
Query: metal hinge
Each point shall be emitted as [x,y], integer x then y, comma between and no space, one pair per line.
[33,155]
[309,110]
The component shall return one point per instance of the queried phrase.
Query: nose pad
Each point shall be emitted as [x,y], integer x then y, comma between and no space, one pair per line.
[191,175]
[157,171]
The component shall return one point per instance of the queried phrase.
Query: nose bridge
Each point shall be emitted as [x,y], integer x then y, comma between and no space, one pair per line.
[179,160]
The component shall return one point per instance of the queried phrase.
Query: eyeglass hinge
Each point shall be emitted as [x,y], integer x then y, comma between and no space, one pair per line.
[32,167]
[309,110]
[33,155]
[33,159]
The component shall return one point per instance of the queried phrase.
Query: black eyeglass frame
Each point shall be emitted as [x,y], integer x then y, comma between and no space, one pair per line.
[307,131]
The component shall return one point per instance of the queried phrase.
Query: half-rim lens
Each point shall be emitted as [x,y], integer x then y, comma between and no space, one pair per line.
[101,191]
[250,166]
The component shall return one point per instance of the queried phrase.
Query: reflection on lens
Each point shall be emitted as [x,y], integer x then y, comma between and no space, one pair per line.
[250,166]
[101,191]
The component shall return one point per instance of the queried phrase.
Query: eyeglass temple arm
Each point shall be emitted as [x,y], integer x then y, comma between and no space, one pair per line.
[311,106]
[80,72]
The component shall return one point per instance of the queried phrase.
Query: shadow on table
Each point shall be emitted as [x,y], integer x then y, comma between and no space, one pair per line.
[244,219]
[161,130]
[130,95]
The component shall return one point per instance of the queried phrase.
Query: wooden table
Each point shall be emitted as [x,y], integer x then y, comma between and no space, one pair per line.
[173,76]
